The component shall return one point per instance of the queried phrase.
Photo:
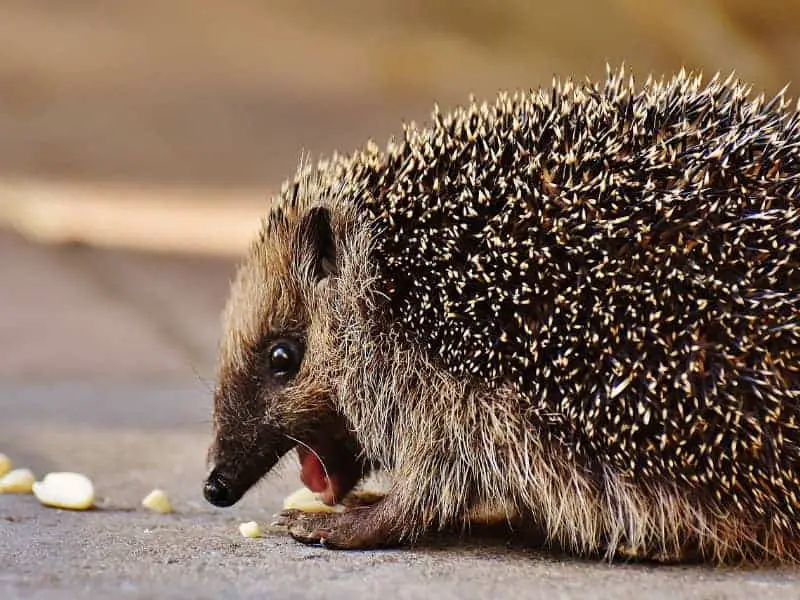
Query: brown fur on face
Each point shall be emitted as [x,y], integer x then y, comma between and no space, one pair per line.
[275,297]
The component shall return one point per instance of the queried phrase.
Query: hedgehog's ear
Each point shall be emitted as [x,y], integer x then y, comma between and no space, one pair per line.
[317,238]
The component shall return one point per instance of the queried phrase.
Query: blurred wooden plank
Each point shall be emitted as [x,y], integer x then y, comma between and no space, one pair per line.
[163,219]
[57,323]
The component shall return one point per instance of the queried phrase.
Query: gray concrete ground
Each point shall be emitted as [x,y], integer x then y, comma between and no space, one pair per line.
[104,369]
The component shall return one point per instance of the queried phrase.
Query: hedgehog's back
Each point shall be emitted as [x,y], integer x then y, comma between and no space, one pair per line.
[493,213]
[628,260]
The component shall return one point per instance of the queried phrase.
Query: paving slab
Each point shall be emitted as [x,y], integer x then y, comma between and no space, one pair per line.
[56,323]
[76,312]
[132,438]
[181,296]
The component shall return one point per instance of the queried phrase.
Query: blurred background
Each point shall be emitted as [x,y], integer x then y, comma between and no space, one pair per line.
[152,132]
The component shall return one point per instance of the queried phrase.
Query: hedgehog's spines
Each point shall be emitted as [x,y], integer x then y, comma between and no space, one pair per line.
[689,112]
[625,260]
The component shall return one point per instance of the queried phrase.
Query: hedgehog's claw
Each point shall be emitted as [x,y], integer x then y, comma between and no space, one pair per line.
[307,528]
[283,518]
[303,527]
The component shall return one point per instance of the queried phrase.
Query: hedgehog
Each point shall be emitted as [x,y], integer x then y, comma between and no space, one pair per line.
[578,305]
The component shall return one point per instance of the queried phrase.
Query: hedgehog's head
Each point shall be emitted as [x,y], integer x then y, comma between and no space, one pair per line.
[272,391]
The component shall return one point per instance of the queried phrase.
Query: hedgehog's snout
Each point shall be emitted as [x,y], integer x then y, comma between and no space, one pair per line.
[218,490]
[239,458]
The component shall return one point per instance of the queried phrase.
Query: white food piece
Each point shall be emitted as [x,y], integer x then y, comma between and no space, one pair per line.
[5,464]
[250,529]
[18,481]
[306,501]
[65,490]
[158,501]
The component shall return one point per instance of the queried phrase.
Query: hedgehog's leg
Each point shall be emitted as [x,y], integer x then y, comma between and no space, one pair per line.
[428,495]
[384,523]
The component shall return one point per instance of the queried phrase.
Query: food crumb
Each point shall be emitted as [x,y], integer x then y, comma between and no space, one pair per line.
[18,481]
[250,529]
[305,500]
[158,501]
[73,491]
[5,464]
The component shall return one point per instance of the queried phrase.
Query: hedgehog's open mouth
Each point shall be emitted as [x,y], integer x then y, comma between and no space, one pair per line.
[331,467]
[315,476]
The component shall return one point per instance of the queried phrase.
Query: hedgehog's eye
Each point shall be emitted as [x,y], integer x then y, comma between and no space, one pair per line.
[284,358]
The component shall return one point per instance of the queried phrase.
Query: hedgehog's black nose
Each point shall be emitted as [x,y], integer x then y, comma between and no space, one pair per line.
[218,491]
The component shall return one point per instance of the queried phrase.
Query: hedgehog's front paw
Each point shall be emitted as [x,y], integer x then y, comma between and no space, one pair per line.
[305,527]
[357,528]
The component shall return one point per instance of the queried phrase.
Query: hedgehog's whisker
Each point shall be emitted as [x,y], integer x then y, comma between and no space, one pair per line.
[310,449]
[204,382]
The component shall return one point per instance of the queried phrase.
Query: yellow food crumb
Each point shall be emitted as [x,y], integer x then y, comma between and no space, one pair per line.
[5,464]
[250,529]
[157,501]
[306,501]
[18,481]
[65,490]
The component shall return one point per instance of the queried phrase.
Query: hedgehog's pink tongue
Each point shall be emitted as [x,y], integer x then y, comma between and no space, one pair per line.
[313,476]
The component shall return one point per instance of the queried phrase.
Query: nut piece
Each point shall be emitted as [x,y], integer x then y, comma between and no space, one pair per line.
[158,501]
[5,464]
[306,501]
[18,481]
[65,490]
[250,529]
